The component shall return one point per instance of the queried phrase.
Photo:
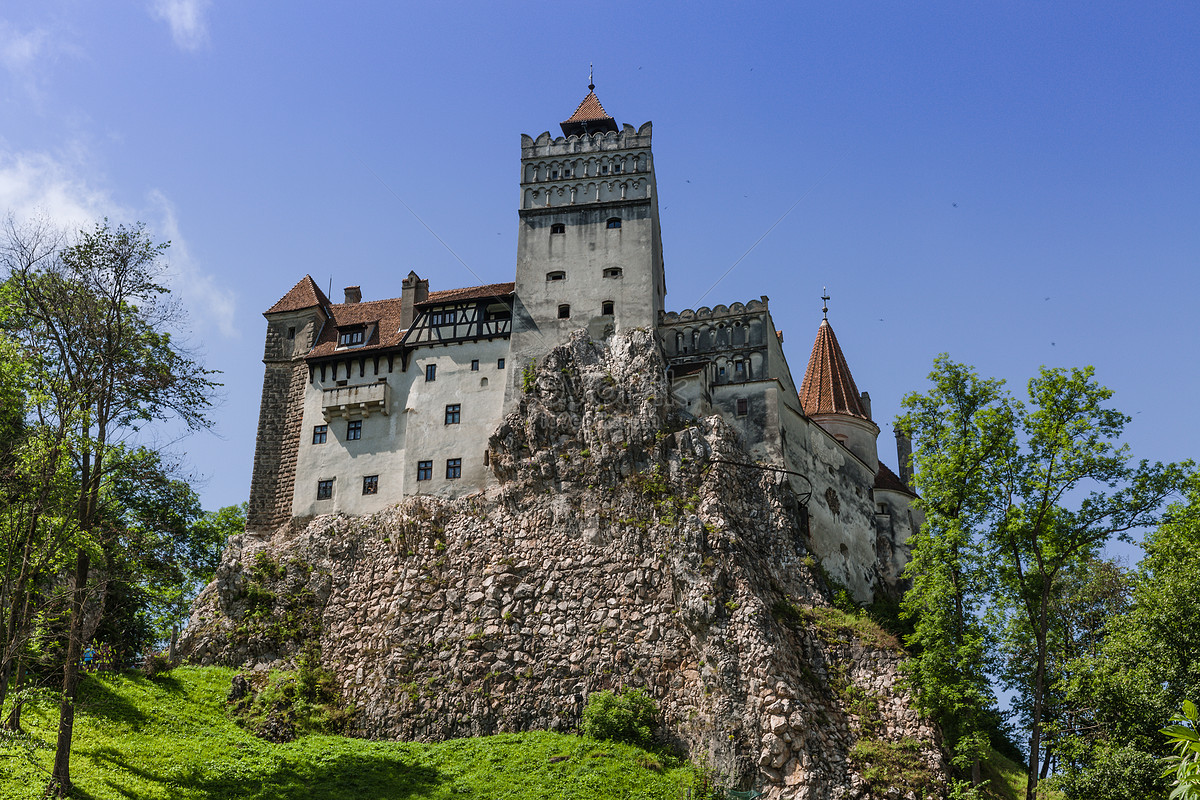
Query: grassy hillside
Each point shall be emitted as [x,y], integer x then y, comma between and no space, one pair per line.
[170,738]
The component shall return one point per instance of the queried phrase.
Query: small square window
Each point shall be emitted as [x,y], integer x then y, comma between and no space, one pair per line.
[453,412]
[320,434]
[475,365]
[743,406]
[614,222]
[453,467]
[371,484]
[558,227]
[325,489]
[616,168]
[612,272]
[431,372]
[739,367]
[604,169]
[424,470]
[606,308]
[564,311]
[354,429]
[499,363]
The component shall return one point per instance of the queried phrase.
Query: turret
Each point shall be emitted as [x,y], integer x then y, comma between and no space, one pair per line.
[830,398]
[293,325]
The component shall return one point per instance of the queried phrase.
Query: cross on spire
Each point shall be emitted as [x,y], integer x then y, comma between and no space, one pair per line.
[825,301]
[591,82]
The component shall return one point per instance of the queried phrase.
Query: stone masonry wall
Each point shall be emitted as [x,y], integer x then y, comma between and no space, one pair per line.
[617,551]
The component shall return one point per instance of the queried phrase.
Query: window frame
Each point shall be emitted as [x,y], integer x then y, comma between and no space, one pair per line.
[352,338]
[430,373]
[742,407]
[453,413]
[453,468]
[474,365]
[325,489]
[425,470]
[370,484]
[321,431]
[613,223]
[557,228]
[354,430]
[607,308]
[564,311]
[499,363]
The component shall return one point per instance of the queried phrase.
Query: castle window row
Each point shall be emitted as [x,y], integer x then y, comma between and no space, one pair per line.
[453,469]
[561,275]
[370,485]
[585,168]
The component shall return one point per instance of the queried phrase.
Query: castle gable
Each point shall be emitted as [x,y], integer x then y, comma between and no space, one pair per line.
[305,294]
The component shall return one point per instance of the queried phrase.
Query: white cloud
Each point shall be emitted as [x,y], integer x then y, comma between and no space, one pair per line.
[34,184]
[19,52]
[54,186]
[189,29]
[198,289]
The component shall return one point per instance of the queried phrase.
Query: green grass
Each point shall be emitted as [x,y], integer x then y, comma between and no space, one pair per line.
[170,737]
[1006,779]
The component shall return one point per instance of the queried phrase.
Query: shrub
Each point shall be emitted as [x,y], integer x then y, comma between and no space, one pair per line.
[627,717]
[155,663]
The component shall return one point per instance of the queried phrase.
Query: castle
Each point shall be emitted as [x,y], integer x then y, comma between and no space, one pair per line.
[367,402]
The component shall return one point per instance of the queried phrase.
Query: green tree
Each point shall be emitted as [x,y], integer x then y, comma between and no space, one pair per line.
[94,321]
[963,429]
[1016,496]
[1146,664]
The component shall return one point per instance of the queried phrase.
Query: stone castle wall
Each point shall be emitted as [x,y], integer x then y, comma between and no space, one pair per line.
[620,549]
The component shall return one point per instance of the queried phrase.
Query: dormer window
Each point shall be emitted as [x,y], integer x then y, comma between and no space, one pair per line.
[352,338]
[612,272]
[613,222]
[558,227]
[557,275]
[441,318]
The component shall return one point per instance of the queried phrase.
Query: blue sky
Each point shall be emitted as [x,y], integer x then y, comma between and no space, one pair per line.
[1016,184]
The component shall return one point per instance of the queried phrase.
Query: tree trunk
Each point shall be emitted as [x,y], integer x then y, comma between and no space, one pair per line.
[60,779]
[14,717]
[1039,693]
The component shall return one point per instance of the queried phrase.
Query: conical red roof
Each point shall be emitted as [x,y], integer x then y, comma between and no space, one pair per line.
[589,110]
[304,294]
[828,386]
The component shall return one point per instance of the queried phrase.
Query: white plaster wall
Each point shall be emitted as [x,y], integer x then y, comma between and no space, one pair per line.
[413,430]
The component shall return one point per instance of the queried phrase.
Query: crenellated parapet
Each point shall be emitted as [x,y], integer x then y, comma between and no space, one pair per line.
[716,312]
[601,167]
[545,146]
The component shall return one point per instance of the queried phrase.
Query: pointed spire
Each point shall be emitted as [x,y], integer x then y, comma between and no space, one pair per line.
[590,117]
[828,386]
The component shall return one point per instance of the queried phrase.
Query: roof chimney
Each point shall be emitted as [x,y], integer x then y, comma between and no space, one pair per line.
[413,291]
[904,456]
[353,294]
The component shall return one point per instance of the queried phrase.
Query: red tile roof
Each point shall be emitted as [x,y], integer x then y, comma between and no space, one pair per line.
[384,314]
[469,293]
[304,294]
[828,386]
[886,479]
[589,110]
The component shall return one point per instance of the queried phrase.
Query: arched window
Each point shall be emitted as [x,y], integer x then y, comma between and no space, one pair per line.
[557,275]
[612,272]
[606,308]
[613,222]
[558,227]
[564,311]
[678,342]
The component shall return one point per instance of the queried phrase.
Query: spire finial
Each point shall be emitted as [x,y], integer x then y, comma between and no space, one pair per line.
[591,82]
[825,301]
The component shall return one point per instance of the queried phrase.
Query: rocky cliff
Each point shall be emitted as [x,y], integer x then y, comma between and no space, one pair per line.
[624,546]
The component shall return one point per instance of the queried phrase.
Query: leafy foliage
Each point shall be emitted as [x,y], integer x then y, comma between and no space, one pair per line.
[1184,765]
[627,717]
[1018,498]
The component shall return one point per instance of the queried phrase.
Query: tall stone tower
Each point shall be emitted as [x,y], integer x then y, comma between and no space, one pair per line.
[292,328]
[589,250]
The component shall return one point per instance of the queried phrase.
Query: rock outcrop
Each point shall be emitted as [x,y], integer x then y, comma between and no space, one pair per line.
[624,546]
